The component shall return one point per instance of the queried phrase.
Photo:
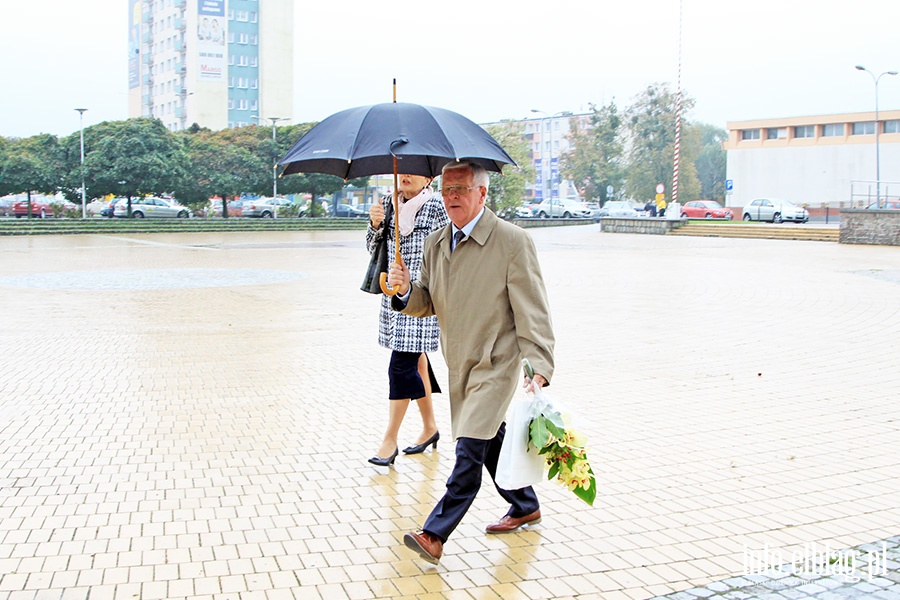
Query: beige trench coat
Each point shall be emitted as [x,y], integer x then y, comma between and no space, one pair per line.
[491,303]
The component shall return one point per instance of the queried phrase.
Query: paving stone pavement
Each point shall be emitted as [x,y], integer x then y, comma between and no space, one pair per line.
[189,416]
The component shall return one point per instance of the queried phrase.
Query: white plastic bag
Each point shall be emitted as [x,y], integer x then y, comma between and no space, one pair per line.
[519,464]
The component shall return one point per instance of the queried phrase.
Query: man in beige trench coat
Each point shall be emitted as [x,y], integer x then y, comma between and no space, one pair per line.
[481,277]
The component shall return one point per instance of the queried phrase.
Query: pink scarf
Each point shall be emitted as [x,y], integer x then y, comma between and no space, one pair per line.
[410,208]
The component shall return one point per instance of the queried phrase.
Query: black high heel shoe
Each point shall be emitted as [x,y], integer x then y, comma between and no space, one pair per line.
[384,462]
[432,441]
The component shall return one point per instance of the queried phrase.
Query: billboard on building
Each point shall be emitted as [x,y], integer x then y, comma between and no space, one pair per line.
[211,34]
[538,180]
[134,43]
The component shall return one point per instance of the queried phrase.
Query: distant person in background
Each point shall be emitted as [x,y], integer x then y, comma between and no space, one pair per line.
[661,206]
[650,208]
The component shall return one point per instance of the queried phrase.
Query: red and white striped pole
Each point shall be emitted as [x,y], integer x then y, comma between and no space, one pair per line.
[678,110]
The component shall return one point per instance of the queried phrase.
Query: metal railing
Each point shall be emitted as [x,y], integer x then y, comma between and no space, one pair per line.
[864,192]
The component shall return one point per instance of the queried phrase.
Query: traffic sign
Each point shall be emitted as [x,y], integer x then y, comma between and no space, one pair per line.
[660,188]
[729,185]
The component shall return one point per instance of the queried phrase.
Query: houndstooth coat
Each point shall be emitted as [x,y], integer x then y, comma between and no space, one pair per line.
[397,331]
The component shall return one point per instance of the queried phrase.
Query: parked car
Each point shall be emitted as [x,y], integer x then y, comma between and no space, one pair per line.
[775,211]
[152,207]
[561,207]
[110,209]
[705,209]
[235,208]
[885,205]
[525,210]
[345,210]
[41,209]
[263,208]
[618,208]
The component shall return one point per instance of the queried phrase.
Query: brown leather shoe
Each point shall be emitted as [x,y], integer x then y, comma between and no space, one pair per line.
[509,524]
[429,547]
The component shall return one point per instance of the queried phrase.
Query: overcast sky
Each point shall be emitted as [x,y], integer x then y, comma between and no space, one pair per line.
[490,59]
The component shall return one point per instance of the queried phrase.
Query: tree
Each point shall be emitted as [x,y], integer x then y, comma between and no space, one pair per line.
[133,158]
[594,159]
[508,189]
[216,167]
[651,126]
[30,165]
[710,162]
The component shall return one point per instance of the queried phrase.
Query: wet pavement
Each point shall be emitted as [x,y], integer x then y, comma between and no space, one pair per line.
[189,416]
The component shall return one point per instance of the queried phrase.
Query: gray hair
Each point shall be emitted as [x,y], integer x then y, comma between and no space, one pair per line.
[480,175]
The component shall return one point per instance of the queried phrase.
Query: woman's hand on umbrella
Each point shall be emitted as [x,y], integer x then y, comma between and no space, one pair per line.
[376,215]
[398,278]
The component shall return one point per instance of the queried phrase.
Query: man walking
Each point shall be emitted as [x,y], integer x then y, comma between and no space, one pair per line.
[481,277]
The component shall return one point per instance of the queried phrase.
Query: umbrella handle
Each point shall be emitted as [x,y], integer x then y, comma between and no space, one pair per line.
[382,280]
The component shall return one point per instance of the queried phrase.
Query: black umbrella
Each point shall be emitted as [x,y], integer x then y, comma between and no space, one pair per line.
[392,137]
[365,140]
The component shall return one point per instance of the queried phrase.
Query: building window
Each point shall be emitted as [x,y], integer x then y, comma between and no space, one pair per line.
[254,84]
[243,16]
[254,105]
[750,134]
[776,133]
[832,130]
[254,39]
[231,59]
[805,131]
[242,60]
[254,62]
[253,17]
[243,104]
[242,38]
[231,82]
[864,128]
[528,128]
[231,104]
[892,126]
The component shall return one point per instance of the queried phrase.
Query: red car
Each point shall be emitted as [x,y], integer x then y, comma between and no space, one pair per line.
[705,209]
[39,208]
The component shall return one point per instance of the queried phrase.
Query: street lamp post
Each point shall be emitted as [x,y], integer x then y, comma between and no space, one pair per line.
[877,128]
[274,161]
[83,194]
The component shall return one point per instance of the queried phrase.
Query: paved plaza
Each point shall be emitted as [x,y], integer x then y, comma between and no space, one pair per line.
[189,416]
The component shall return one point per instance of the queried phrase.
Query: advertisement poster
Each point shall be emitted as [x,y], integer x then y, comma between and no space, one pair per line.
[211,33]
[134,43]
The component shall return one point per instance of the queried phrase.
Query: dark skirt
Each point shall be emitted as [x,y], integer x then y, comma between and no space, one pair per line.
[404,378]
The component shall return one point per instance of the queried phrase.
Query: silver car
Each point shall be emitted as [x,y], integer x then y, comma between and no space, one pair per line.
[561,207]
[775,211]
[263,208]
[618,208]
[152,207]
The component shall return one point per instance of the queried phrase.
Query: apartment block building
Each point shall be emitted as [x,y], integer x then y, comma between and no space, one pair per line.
[549,139]
[217,63]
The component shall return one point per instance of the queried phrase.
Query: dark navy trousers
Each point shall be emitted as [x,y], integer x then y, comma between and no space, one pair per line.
[465,481]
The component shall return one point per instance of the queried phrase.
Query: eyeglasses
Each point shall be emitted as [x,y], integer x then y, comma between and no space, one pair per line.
[457,190]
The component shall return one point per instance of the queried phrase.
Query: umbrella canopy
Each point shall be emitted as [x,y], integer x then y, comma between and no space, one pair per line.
[365,140]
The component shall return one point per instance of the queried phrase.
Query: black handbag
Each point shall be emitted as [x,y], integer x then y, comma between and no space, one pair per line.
[378,261]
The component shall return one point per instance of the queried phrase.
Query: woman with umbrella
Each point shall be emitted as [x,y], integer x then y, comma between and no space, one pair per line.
[410,377]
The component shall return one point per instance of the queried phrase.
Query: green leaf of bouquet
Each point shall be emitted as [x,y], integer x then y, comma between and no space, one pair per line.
[588,495]
[553,471]
[555,417]
[539,433]
[558,432]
